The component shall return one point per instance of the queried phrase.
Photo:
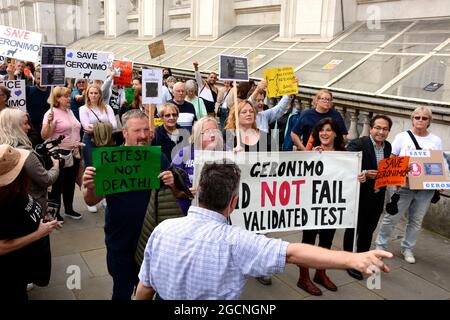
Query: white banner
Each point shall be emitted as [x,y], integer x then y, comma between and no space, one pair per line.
[19,44]
[18,93]
[282,191]
[151,86]
[88,65]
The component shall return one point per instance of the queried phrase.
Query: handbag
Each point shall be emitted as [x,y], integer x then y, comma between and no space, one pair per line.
[102,134]
[437,194]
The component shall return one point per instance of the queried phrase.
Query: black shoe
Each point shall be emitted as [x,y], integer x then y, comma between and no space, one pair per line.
[267,281]
[72,214]
[59,218]
[355,274]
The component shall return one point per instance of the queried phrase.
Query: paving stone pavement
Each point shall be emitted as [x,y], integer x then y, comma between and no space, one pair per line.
[79,247]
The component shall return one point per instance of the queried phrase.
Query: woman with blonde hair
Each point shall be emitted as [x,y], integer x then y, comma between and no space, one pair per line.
[60,120]
[252,139]
[412,203]
[14,127]
[206,135]
[95,110]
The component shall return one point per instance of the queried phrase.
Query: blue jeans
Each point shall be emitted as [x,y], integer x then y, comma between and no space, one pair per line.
[87,150]
[415,204]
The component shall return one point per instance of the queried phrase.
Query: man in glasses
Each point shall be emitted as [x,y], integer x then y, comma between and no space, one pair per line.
[371,201]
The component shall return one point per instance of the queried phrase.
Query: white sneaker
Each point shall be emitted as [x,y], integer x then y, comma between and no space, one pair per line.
[92,209]
[409,256]
[30,286]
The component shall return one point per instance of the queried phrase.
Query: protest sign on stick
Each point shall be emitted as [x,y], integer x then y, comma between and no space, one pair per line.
[53,61]
[151,86]
[392,172]
[122,169]
[156,49]
[280,81]
[123,73]
[88,65]
[233,68]
[20,44]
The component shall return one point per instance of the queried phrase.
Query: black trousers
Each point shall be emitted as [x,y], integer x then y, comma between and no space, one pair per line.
[325,237]
[65,185]
[370,209]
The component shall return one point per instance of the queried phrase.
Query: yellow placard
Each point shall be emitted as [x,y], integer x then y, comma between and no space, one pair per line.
[157,122]
[280,81]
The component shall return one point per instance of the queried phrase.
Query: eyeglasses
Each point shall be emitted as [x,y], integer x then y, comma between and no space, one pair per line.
[211,132]
[324,99]
[173,115]
[381,129]
[421,118]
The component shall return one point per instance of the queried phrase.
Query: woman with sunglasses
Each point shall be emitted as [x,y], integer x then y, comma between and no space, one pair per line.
[414,202]
[170,133]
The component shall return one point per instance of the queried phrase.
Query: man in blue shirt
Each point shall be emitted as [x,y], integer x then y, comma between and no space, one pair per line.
[201,256]
[125,211]
[323,103]
[187,115]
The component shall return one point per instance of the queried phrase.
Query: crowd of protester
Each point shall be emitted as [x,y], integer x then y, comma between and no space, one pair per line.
[196,114]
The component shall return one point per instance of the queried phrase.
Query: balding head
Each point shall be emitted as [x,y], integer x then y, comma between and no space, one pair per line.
[179,92]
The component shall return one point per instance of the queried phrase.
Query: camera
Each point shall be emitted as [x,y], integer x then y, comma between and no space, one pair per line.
[49,149]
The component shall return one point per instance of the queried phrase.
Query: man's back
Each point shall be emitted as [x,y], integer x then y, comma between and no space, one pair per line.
[202,257]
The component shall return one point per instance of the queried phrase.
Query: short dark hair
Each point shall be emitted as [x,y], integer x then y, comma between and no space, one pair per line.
[380,116]
[338,142]
[218,183]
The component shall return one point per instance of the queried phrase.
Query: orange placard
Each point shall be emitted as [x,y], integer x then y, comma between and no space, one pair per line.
[123,73]
[392,172]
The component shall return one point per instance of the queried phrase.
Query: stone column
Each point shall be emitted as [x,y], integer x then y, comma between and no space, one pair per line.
[151,17]
[211,18]
[353,130]
[45,21]
[116,12]
[90,12]
[13,13]
[366,120]
[315,19]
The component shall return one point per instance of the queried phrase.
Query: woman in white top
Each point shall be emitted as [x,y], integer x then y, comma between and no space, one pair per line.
[414,203]
[95,110]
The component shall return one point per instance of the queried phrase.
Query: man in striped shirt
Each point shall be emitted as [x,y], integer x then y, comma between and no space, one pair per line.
[201,256]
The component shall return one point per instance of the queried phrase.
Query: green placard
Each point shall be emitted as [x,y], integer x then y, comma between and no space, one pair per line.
[129,95]
[122,169]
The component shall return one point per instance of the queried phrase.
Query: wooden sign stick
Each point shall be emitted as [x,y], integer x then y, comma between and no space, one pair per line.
[236,114]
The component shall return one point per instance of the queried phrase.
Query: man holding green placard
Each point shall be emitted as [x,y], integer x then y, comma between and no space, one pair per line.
[126,182]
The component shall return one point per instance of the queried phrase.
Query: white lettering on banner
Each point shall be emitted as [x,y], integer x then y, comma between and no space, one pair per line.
[88,65]
[436,185]
[18,94]
[283,191]
[418,153]
[19,44]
